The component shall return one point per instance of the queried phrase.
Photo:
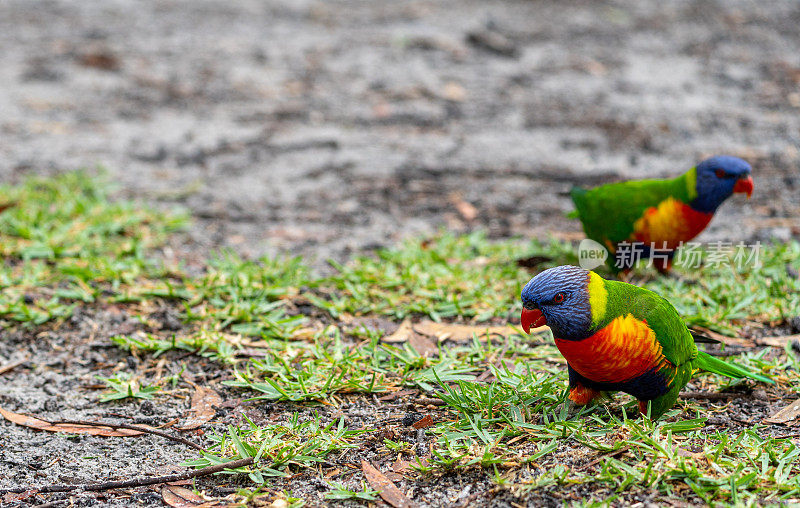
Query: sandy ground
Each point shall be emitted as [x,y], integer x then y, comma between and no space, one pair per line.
[327,128]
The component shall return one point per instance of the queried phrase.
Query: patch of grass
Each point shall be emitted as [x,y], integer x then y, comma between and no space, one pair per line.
[725,297]
[297,371]
[279,449]
[444,277]
[669,457]
[66,244]
[247,297]
[471,277]
[63,242]
[123,386]
[340,492]
[217,346]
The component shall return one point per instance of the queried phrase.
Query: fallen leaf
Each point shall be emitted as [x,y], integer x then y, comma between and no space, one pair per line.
[464,208]
[6,206]
[683,452]
[397,394]
[460,333]
[11,497]
[493,42]
[785,415]
[423,345]
[181,497]
[402,334]
[103,60]
[70,428]
[387,490]
[424,423]
[11,366]
[401,465]
[204,400]
[780,341]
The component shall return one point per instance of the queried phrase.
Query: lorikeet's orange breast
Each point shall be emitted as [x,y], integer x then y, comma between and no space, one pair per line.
[672,222]
[623,350]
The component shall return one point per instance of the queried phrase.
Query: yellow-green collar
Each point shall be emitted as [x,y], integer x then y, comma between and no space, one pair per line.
[598,298]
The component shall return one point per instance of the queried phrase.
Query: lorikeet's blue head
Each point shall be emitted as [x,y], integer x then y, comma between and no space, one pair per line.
[559,298]
[718,178]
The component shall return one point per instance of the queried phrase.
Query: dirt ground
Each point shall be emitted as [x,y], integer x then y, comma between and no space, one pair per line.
[328,128]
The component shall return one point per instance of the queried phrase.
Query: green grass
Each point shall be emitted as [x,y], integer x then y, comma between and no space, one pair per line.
[283,336]
[279,449]
[444,277]
[667,458]
[123,386]
[725,298]
[470,277]
[63,242]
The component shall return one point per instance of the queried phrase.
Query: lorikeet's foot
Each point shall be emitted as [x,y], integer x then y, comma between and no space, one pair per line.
[581,395]
[643,407]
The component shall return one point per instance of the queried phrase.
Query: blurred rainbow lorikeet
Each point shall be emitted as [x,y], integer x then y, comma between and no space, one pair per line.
[618,337]
[659,213]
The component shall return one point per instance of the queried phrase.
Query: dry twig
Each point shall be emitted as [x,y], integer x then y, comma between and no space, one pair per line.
[136,482]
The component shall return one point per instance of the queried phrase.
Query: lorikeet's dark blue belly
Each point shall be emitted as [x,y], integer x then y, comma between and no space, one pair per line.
[648,386]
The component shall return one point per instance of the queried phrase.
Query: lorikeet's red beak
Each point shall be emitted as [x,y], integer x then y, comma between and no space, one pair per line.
[532,319]
[744,186]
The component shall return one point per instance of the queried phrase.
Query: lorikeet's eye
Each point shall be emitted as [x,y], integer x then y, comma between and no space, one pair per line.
[720,173]
[558,298]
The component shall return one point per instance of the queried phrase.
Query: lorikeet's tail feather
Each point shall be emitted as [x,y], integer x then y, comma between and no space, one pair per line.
[707,362]
[577,194]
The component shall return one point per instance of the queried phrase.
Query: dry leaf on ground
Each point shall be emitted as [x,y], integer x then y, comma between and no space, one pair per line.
[12,497]
[423,345]
[6,206]
[70,428]
[204,402]
[402,334]
[461,333]
[465,209]
[406,333]
[779,341]
[181,497]
[398,394]
[11,366]
[387,490]
[785,415]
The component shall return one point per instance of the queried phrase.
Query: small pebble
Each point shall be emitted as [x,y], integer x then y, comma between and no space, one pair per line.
[51,405]
[147,407]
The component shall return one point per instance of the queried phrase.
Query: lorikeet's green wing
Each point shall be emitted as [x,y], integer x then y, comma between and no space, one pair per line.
[608,213]
[671,333]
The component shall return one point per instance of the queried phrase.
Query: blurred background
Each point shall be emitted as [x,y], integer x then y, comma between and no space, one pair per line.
[324,128]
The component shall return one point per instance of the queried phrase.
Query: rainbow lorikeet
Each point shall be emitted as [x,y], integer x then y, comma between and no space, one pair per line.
[659,214]
[618,337]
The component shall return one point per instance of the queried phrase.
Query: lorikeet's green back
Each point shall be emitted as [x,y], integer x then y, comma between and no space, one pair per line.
[609,212]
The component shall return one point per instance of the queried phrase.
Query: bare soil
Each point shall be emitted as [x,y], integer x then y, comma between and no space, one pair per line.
[329,128]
